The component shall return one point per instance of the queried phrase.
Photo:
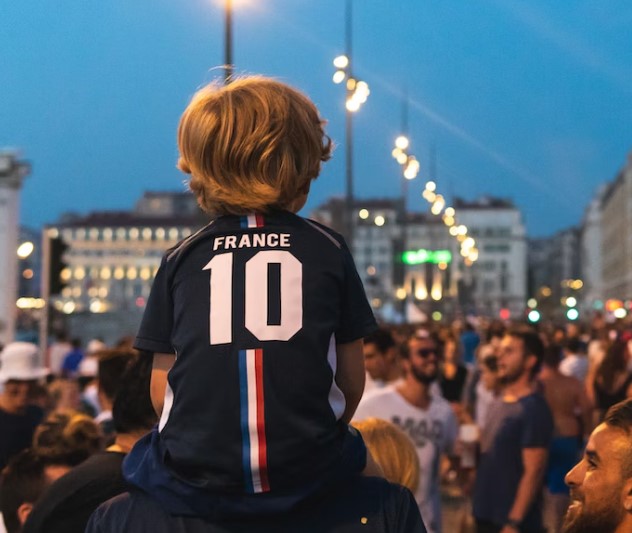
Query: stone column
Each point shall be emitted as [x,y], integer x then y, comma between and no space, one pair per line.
[12,173]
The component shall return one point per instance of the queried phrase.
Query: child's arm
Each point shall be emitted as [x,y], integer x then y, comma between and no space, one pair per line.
[350,375]
[159,370]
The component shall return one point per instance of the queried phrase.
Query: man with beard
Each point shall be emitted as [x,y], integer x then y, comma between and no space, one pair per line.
[601,483]
[515,443]
[427,419]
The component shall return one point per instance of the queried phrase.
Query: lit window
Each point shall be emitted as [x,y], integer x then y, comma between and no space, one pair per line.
[147,234]
[119,273]
[133,234]
[106,273]
[145,273]
[132,273]
[160,234]
[80,273]
[107,234]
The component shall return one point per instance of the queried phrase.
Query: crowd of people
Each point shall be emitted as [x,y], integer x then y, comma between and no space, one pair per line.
[505,426]
[261,395]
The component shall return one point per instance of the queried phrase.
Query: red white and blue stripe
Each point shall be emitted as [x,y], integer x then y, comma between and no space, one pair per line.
[253,429]
[252,221]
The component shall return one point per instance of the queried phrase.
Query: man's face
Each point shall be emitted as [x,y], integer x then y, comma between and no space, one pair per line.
[597,483]
[512,361]
[423,360]
[16,395]
[375,361]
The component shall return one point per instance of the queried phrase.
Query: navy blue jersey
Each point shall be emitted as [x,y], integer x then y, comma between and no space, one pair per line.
[253,308]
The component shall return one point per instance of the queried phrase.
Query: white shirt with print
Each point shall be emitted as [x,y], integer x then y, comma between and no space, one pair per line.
[433,432]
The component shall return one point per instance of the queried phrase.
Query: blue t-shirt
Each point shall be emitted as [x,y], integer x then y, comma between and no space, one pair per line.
[253,308]
[510,428]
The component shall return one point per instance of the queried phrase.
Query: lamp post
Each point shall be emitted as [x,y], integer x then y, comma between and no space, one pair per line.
[228,41]
[357,92]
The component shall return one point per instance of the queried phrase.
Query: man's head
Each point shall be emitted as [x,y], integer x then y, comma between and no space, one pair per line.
[380,354]
[19,370]
[520,355]
[420,357]
[250,146]
[601,483]
[23,481]
[132,411]
[112,364]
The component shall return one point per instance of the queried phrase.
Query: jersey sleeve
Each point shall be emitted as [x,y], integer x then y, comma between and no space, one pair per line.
[154,334]
[356,317]
[406,517]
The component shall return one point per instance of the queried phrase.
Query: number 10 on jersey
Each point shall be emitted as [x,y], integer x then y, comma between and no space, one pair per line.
[256,292]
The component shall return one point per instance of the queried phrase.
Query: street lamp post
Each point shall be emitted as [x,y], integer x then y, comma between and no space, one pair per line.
[357,92]
[228,42]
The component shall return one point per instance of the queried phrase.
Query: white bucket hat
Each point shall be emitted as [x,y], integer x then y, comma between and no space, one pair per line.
[19,361]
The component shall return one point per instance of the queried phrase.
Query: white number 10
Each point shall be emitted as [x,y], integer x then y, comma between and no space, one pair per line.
[256,291]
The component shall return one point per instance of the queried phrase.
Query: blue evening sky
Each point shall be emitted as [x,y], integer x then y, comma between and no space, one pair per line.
[529,100]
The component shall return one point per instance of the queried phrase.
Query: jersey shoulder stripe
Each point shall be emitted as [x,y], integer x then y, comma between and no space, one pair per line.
[327,232]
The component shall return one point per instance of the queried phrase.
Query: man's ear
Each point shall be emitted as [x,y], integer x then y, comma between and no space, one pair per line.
[627,495]
[24,511]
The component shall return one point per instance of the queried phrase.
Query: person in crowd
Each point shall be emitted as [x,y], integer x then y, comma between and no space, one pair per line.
[470,341]
[575,362]
[67,505]
[67,438]
[271,358]
[380,359]
[613,381]
[72,360]
[453,374]
[572,419]
[392,450]
[65,395]
[488,387]
[601,483]
[22,482]
[19,370]
[112,364]
[57,352]
[426,418]
[88,372]
[507,494]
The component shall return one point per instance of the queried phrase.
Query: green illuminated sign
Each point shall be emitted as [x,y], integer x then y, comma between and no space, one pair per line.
[417,257]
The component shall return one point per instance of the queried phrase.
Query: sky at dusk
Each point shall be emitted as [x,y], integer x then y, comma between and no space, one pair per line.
[526,100]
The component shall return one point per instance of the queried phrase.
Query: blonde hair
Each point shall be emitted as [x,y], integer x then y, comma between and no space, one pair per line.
[251,146]
[392,449]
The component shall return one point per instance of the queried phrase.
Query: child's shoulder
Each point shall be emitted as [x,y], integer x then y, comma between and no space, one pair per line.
[335,238]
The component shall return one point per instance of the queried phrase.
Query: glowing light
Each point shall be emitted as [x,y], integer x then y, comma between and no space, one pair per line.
[339,76]
[402,142]
[363,214]
[532,303]
[65,274]
[437,316]
[371,270]
[533,316]
[619,313]
[400,293]
[545,291]
[571,301]
[140,302]
[573,314]
[379,220]
[106,273]
[28,273]
[504,314]
[376,302]
[449,211]
[341,62]
[25,249]
[68,308]
[431,186]
[119,273]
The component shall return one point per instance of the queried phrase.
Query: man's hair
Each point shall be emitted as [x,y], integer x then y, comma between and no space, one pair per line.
[552,356]
[382,339]
[620,416]
[574,345]
[531,342]
[132,409]
[250,146]
[23,481]
[112,365]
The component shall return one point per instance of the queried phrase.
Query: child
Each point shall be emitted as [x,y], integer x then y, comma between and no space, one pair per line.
[251,318]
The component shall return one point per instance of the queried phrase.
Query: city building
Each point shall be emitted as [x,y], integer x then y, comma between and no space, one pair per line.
[12,173]
[616,237]
[496,284]
[591,258]
[112,258]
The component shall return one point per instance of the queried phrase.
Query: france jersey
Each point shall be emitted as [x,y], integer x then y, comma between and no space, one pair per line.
[253,307]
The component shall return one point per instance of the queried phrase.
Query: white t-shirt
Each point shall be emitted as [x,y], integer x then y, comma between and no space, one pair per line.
[433,432]
[575,366]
